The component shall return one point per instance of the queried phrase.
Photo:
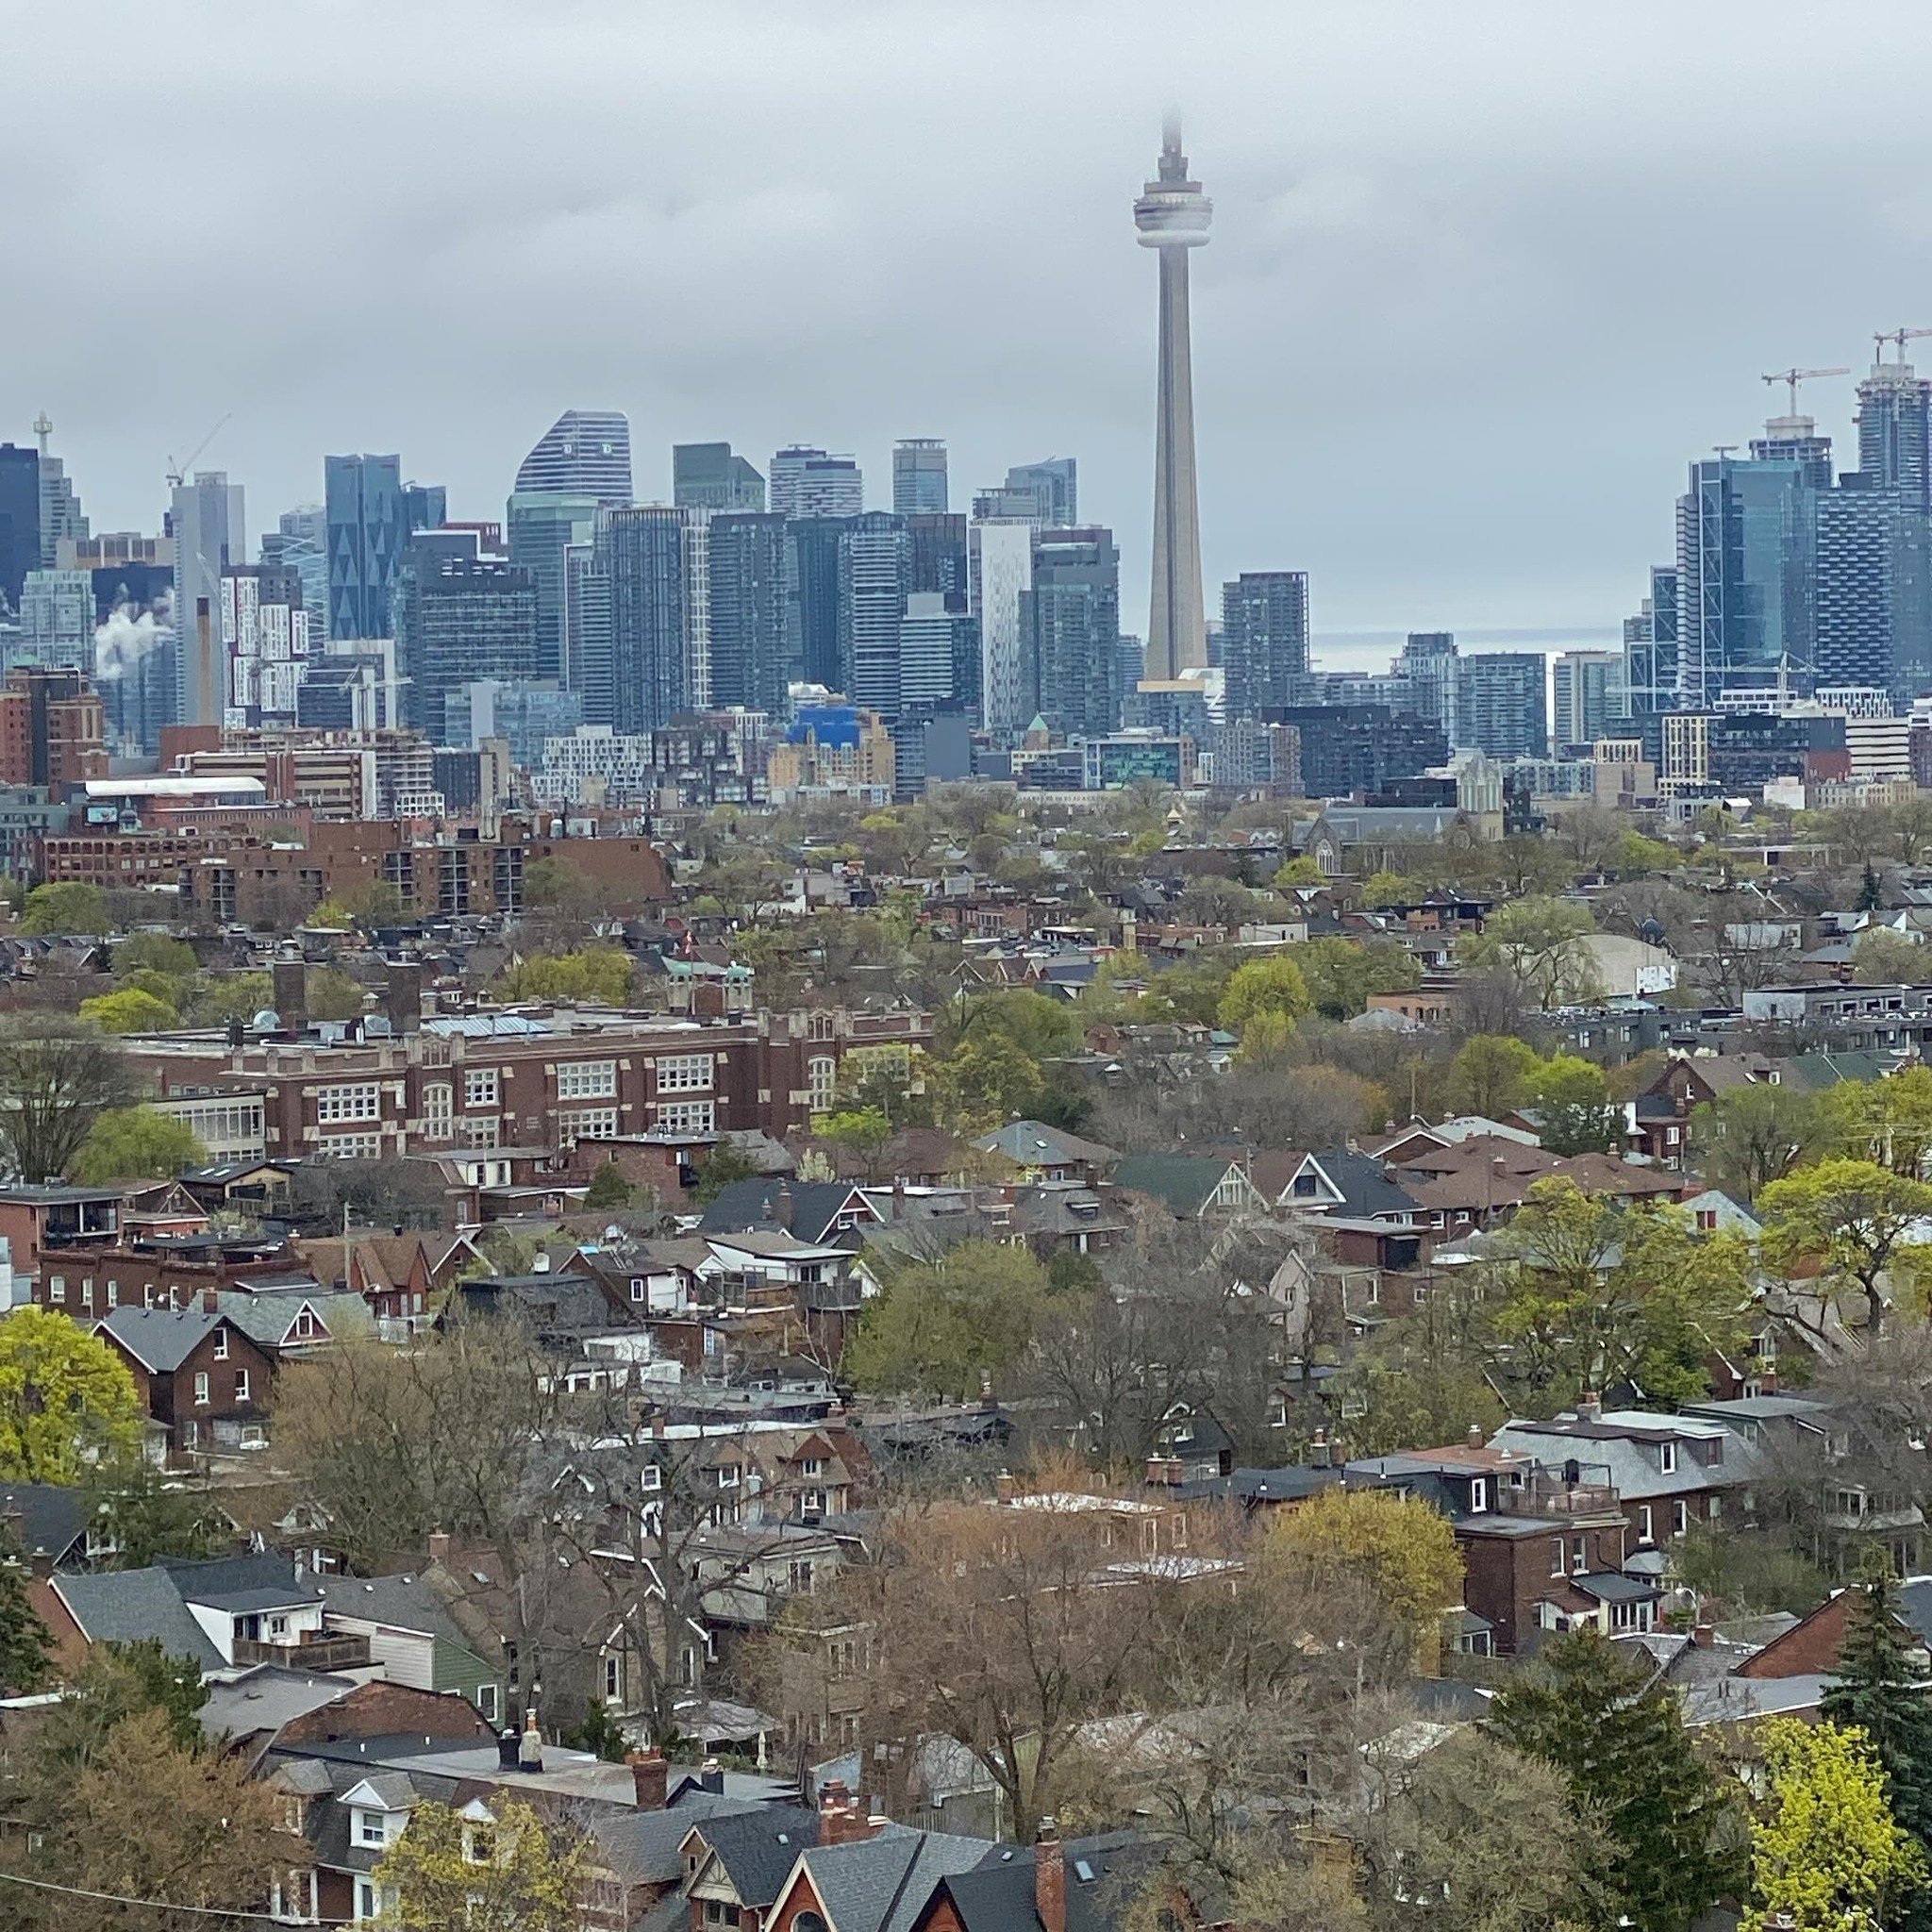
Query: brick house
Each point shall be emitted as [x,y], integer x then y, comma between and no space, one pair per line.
[202,1381]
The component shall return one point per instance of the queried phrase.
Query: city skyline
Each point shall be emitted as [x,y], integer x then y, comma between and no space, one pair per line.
[1390,275]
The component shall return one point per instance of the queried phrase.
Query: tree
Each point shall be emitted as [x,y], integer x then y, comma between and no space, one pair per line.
[1401,1551]
[1880,1693]
[984,1081]
[1384,889]
[1490,1075]
[25,1644]
[1756,1134]
[1340,975]
[1887,1121]
[594,974]
[1573,1110]
[330,994]
[66,1399]
[1744,1573]
[137,1144]
[610,1188]
[1616,1734]
[230,998]
[206,1837]
[1852,1215]
[1826,1853]
[864,1131]
[128,1010]
[155,952]
[1303,871]
[145,1515]
[941,1324]
[1264,986]
[1410,1402]
[66,907]
[515,1874]
[1881,957]
[1543,943]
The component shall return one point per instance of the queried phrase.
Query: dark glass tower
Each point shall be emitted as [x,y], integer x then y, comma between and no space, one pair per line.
[753,649]
[368,526]
[1264,637]
[20,519]
[1070,624]
[643,551]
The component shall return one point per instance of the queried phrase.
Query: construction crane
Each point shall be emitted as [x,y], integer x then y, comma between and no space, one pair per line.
[1793,377]
[1900,336]
[178,471]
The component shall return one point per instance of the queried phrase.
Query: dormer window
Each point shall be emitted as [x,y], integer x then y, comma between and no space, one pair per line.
[1478,1495]
[372,1827]
[221,1344]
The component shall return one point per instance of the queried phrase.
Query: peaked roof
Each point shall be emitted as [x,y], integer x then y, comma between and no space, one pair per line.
[1185,1181]
[160,1340]
[998,1895]
[1033,1143]
[757,1849]
[128,1606]
[753,1204]
[882,1884]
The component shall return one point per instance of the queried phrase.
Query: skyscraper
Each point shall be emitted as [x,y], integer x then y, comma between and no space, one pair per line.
[20,519]
[584,453]
[265,642]
[1588,688]
[210,525]
[1742,537]
[1649,647]
[1895,430]
[1054,487]
[1001,560]
[458,618]
[875,568]
[935,639]
[811,483]
[1171,215]
[56,618]
[368,526]
[588,663]
[1071,622]
[919,476]
[706,476]
[644,550]
[299,543]
[813,586]
[939,552]
[1503,704]
[1427,669]
[540,528]
[60,512]
[1265,639]
[754,639]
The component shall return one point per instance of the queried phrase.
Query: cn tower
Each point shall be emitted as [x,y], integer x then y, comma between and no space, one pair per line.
[1172,216]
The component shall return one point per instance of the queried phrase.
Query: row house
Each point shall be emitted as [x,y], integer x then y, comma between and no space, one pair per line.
[540,1082]
[90,1279]
[203,1382]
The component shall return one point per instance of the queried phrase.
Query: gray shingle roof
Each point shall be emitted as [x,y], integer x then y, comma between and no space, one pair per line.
[879,1884]
[128,1606]
[159,1338]
[406,1603]
[758,1848]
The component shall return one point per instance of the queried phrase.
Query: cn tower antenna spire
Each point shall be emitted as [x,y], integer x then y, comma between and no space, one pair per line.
[1172,216]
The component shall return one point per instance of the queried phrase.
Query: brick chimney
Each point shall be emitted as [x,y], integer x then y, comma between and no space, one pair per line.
[1474,1436]
[403,996]
[1321,1454]
[1589,1406]
[842,1819]
[290,996]
[1050,1877]
[784,1208]
[439,1546]
[651,1776]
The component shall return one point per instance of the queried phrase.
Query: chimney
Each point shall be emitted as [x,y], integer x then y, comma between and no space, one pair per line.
[290,996]
[1321,1452]
[402,997]
[784,1210]
[1050,1877]
[842,1819]
[1703,1635]
[1002,1487]
[530,1745]
[439,1546]
[651,1776]
[1589,1406]
[507,1747]
[1475,1438]
[711,1777]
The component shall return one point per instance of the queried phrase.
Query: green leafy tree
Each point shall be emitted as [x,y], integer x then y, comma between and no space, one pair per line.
[155,952]
[725,1164]
[1301,870]
[1743,1573]
[145,1514]
[1887,1121]
[137,1144]
[1381,890]
[516,1875]
[381,902]
[1881,957]
[66,1399]
[1881,1693]
[610,1188]
[129,1010]
[1412,1404]
[1852,1215]
[330,994]
[226,998]
[863,1131]
[330,913]
[1753,1135]
[1636,857]
[1616,1734]
[1572,1105]
[986,1080]
[1490,1075]
[1541,942]
[1264,986]
[1826,1852]
[66,907]
[1341,974]
[599,975]
[941,1324]
[24,1645]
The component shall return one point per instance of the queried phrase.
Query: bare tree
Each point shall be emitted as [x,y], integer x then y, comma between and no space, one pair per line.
[56,1079]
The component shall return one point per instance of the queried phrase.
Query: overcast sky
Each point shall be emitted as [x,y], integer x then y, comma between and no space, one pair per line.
[1484,277]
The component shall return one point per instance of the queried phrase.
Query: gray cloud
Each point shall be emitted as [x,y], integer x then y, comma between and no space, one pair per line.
[1484,277]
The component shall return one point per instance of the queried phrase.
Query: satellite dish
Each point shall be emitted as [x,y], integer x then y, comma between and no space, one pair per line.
[268,1021]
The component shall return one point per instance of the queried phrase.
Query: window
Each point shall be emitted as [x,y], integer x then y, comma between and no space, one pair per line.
[685,1073]
[810,1466]
[813,1503]
[587,1124]
[800,1578]
[727,1475]
[1579,1554]
[1667,1457]
[1479,1496]
[1680,1518]
[350,1147]
[1645,1530]
[362,1102]
[653,1477]
[479,1132]
[240,1384]
[637,1288]
[687,1117]
[113,1294]
[439,1110]
[1707,1218]
[201,1389]
[822,1082]
[718,1913]
[613,1678]
[372,1827]
[221,1344]
[486,1702]
[479,1845]
[586,1080]
[57,1288]
[1557,1558]
[479,1086]
[1714,1509]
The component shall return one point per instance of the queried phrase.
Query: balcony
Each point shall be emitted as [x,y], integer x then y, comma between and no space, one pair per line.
[324,1650]
[1545,1493]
